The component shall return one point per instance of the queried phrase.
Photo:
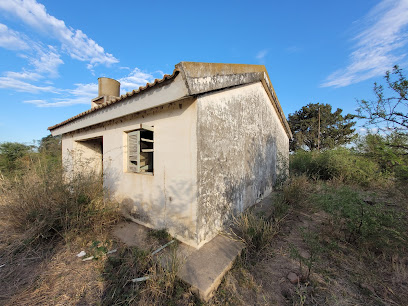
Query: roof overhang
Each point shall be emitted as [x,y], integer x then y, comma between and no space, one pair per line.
[188,79]
[205,77]
[158,95]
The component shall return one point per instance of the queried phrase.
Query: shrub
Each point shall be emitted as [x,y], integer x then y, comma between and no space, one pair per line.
[296,190]
[357,219]
[42,204]
[388,151]
[336,164]
[11,156]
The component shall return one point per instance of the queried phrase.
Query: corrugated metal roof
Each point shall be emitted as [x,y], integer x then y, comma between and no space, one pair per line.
[118,99]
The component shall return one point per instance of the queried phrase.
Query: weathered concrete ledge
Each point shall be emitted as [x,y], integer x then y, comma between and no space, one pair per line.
[203,269]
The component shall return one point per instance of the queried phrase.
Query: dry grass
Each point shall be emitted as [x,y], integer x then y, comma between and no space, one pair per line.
[63,279]
[42,215]
[297,190]
[256,231]
[342,273]
[42,205]
[161,288]
[46,220]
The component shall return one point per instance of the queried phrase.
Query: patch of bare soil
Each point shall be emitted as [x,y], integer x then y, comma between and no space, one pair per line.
[264,280]
[340,273]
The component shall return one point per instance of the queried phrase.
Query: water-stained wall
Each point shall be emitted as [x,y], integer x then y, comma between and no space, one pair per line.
[241,147]
[165,198]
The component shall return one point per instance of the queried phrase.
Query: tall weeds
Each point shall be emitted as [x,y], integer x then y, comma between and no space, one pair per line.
[43,204]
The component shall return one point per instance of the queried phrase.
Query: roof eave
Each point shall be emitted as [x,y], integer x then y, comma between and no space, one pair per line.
[166,77]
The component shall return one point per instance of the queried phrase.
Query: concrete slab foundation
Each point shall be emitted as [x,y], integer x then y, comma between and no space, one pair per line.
[203,269]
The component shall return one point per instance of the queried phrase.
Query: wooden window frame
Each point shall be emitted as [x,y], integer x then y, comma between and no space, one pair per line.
[140,152]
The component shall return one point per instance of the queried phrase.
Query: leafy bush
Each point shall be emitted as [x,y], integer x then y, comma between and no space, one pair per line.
[357,219]
[296,190]
[11,156]
[339,163]
[389,152]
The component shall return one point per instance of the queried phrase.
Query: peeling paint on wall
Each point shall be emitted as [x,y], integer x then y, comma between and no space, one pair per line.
[239,140]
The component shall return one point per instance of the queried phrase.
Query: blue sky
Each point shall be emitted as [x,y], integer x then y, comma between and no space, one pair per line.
[52,52]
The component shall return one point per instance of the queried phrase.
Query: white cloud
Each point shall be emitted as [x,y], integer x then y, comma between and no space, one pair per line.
[365,131]
[76,43]
[47,61]
[86,90]
[378,46]
[19,85]
[11,40]
[44,62]
[261,54]
[135,79]
[24,75]
[81,94]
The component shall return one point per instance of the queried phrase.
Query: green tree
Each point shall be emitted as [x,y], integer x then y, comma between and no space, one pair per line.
[389,110]
[10,153]
[392,159]
[335,129]
[50,145]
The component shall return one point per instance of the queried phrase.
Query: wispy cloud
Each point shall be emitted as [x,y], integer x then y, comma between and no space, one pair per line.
[47,61]
[377,46]
[43,62]
[24,75]
[74,42]
[11,40]
[84,93]
[81,94]
[17,84]
[261,55]
[293,49]
[135,79]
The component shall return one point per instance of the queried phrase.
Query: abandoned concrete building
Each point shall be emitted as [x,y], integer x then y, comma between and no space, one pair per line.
[185,152]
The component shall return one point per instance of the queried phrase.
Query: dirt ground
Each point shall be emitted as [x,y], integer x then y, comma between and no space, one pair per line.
[339,274]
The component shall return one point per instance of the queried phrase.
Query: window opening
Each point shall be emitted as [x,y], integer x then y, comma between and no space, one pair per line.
[141,149]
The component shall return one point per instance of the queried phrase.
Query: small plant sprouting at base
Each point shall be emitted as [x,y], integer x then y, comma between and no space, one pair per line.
[314,249]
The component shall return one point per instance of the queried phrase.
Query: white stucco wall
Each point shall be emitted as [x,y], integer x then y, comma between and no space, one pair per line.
[167,198]
[241,147]
[214,155]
